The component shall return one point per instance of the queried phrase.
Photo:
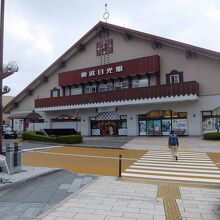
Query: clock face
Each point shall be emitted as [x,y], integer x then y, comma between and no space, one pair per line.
[104,47]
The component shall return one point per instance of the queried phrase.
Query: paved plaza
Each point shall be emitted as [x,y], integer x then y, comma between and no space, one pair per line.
[110,198]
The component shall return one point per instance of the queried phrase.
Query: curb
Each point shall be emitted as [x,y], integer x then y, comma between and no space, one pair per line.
[9,185]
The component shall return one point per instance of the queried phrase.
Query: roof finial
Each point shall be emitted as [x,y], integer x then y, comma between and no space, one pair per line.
[106,14]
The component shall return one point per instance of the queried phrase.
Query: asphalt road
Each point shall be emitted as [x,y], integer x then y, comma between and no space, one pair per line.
[101,142]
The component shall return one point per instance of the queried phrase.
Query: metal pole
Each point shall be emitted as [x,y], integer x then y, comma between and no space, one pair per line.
[119,164]
[33,118]
[1,65]
[77,115]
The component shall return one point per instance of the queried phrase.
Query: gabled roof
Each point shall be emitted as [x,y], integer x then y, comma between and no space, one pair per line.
[87,37]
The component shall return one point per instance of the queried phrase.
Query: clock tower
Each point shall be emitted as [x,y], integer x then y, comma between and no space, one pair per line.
[104,46]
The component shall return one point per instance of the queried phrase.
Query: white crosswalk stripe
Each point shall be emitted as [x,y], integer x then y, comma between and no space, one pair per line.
[190,167]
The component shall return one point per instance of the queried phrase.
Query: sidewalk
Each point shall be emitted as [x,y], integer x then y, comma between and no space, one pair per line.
[110,198]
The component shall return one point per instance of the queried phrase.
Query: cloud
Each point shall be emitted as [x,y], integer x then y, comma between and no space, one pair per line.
[42,42]
[213,15]
[36,36]
[19,28]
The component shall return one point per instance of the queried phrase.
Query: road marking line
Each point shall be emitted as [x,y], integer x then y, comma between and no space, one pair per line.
[174,173]
[81,155]
[185,157]
[183,153]
[171,178]
[175,169]
[176,165]
[180,158]
[164,162]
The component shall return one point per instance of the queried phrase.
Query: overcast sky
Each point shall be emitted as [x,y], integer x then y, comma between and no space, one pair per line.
[37,32]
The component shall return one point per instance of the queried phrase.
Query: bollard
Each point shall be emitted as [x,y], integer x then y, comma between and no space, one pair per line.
[13,157]
[119,163]
[10,156]
[17,157]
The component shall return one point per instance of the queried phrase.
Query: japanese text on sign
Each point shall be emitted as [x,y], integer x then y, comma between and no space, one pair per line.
[99,72]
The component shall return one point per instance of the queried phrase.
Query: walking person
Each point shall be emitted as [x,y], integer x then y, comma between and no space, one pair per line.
[173,144]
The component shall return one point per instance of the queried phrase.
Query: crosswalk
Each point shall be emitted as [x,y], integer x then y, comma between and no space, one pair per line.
[190,167]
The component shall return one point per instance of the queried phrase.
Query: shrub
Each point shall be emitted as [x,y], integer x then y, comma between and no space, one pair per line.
[70,139]
[212,136]
[35,136]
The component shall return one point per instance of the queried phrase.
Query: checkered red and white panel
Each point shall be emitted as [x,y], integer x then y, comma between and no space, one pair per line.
[95,132]
[107,116]
[122,132]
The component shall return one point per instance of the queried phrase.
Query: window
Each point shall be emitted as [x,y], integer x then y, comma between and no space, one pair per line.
[121,85]
[136,83]
[55,92]
[67,91]
[76,90]
[90,89]
[174,78]
[105,87]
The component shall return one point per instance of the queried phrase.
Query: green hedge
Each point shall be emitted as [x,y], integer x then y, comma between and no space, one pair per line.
[35,136]
[212,136]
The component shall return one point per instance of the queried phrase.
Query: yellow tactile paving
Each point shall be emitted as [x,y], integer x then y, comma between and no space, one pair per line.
[168,190]
[169,193]
[171,209]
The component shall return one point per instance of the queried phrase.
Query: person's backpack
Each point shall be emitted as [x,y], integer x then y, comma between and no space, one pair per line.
[173,140]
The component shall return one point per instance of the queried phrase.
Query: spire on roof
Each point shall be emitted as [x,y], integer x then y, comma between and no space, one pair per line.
[106,14]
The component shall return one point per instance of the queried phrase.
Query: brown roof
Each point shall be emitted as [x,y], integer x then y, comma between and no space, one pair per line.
[88,36]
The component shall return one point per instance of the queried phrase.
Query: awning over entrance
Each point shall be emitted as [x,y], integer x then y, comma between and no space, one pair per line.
[30,115]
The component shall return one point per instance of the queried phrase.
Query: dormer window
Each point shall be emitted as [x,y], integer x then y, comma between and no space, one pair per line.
[174,77]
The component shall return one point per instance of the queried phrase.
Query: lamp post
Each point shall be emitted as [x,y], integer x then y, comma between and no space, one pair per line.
[5,70]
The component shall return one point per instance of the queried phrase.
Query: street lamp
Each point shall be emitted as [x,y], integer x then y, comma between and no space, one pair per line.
[5,70]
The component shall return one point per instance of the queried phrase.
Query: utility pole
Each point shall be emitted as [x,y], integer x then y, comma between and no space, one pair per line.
[5,70]
[1,65]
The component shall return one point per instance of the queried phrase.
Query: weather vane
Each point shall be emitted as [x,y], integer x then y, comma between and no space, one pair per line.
[106,14]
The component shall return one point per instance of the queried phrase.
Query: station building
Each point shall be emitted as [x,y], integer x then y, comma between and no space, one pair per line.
[119,81]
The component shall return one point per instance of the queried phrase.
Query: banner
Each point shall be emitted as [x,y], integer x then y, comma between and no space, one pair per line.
[211,124]
[166,126]
[180,126]
[107,109]
[142,128]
